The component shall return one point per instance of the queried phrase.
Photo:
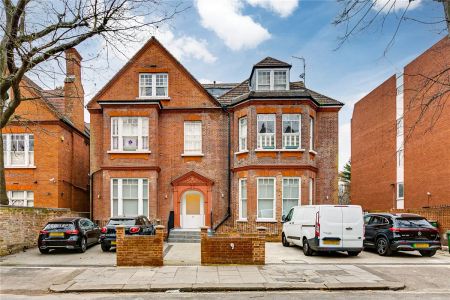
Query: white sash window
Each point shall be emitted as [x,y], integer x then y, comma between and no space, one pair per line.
[266,199]
[266,131]
[21,198]
[291,194]
[193,137]
[129,134]
[243,134]
[291,131]
[243,199]
[129,197]
[18,150]
[153,85]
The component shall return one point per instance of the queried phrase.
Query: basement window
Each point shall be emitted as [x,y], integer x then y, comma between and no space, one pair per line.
[21,198]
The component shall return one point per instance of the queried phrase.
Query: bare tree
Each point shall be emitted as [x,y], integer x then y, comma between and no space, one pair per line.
[36,31]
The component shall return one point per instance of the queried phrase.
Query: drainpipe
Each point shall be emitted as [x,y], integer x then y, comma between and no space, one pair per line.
[91,194]
[228,214]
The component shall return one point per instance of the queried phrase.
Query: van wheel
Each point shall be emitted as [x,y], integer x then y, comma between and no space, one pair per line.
[353,253]
[284,241]
[427,253]
[306,249]
[383,247]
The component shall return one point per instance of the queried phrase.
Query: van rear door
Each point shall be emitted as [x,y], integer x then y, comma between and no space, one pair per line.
[352,227]
[330,221]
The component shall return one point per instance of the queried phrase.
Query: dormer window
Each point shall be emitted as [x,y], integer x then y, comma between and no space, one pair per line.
[153,85]
[272,80]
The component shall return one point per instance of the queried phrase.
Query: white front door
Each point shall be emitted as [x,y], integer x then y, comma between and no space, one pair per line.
[192,210]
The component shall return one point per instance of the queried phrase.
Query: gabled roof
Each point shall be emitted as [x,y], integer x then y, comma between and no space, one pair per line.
[151,41]
[270,62]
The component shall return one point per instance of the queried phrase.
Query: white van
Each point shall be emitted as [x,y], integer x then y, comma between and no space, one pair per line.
[325,228]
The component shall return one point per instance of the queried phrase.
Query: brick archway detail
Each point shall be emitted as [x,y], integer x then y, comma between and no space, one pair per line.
[188,182]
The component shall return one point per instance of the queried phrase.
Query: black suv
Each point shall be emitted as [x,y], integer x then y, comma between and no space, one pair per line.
[139,225]
[388,233]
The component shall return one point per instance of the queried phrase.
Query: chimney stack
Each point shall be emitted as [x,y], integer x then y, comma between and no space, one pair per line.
[73,89]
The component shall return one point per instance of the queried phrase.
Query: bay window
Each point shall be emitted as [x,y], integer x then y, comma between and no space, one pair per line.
[243,134]
[153,85]
[192,137]
[311,133]
[243,199]
[129,134]
[18,150]
[129,197]
[266,199]
[21,198]
[266,131]
[291,131]
[291,194]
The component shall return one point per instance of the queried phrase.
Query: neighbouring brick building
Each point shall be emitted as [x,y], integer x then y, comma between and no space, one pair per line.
[46,145]
[237,154]
[401,137]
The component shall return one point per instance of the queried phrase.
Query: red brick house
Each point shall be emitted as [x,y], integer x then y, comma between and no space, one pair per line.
[233,154]
[399,160]
[46,145]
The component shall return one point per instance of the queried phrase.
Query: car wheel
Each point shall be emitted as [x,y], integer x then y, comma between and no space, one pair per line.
[83,245]
[383,247]
[284,241]
[105,248]
[44,251]
[353,253]
[306,248]
[427,253]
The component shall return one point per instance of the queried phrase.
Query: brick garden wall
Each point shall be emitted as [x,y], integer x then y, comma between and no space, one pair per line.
[140,250]
[233,249]
[20,226]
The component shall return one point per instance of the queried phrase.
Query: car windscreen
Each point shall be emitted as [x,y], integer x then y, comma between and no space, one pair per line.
[60,226]
[122,222]
[412,222]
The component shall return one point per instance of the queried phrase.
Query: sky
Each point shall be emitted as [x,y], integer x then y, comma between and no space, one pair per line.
[220,40]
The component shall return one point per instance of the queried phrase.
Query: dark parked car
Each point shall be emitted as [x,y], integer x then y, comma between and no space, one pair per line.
[69,233]
[139,225]
[388,233]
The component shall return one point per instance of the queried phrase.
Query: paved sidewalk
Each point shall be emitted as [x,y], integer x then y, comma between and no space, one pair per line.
[225,278]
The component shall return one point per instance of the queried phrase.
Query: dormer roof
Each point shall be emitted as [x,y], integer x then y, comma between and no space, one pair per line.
[269,63]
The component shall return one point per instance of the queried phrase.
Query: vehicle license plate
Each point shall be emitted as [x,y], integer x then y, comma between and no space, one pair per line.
[113,242]
[421,245]
[331,242]
[57,234]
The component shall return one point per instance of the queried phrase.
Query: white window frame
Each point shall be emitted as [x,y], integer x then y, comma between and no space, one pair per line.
[311,191]
[198,151]
[27,153]
[243,129]
[299,192]
[241,218]
[140,196]
[272,79]
[262,138]
[274,202]
[288,137]
[25,199]
[142,145]
[398,191]
[153,86]
[312,133]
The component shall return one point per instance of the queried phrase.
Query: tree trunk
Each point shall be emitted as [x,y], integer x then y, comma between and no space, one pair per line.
[3,196]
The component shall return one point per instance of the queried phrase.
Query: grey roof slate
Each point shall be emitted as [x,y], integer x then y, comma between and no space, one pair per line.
[270,62]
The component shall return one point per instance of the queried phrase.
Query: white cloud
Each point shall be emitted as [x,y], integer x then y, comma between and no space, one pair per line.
[281,7]
[225,18]
[395,5]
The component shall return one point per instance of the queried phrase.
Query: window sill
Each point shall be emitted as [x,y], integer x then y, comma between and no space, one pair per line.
[153,98]
[129,152]
[313,152]
[266,221]
[292,150]
[241,152]
[20,167]
[192,155]
[267,150]
[242,221]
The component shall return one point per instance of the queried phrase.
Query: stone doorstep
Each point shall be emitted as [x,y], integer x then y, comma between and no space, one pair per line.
[70,287]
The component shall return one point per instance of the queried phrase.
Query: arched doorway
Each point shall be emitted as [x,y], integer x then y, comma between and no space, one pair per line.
[192,210]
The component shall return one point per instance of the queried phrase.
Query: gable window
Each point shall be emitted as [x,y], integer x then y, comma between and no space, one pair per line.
[266,198]
[153,85]
[129,134]
[129,197]
[291,193]
[243,199]
[192,137]
[291,131]
[18,150]
[21,198]
[243,134]
[400,191]
[266,131]
[311,133]
[272,80]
